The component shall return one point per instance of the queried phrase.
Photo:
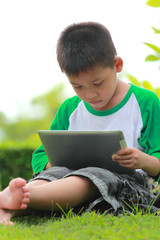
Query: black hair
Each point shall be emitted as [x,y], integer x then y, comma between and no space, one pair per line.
[82,46]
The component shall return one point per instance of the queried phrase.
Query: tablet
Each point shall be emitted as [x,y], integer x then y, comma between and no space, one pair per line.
[80,149]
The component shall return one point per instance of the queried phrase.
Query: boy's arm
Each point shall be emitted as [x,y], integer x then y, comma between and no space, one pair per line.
[136,159]
[149,160]
[48,165]
[39,159]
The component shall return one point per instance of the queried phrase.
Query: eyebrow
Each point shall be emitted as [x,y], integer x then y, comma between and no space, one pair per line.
[74,83]
[95,80]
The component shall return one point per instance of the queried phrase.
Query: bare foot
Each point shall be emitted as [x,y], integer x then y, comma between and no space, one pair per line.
[5,216]
[15,196]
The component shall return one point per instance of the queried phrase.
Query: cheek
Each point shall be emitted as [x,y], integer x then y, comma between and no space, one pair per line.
[79,93]
[103,91]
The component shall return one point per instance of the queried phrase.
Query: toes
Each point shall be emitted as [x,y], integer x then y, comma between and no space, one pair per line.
[26,195]
[6,222]
[17,183]
[23,206]
[24,203]
[20,182]
[10,223]
[25,200]
[25,189]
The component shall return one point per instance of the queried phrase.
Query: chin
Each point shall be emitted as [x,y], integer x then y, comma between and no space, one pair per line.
[98,108]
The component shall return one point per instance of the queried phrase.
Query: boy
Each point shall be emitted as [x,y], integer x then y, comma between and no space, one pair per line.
[87,55]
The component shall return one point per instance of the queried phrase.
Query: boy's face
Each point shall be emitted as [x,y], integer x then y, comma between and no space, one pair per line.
[97,86]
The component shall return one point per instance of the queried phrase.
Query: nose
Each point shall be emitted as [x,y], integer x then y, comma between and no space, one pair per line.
[90,94]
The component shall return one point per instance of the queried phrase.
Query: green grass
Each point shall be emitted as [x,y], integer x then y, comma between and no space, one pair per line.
[84,227]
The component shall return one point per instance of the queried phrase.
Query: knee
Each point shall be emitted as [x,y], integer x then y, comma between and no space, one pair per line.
[85,183]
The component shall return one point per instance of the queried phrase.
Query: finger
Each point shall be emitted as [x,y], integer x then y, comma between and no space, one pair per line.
[124,162]
[125,151]
[121,157]
[127,163]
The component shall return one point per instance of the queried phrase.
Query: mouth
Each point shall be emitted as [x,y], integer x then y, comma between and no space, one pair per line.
[94,102]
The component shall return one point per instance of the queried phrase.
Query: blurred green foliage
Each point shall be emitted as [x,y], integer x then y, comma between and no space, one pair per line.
[15,159]
[25,126]
[15,162]
[144,84]
[20,137]
[153,3]
[156,50]
[155,56]
[48,103]
[33,141]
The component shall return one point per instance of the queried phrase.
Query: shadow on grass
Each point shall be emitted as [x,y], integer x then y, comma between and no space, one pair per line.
[37,218]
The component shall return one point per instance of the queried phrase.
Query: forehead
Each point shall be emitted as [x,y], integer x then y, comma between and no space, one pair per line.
[94,74]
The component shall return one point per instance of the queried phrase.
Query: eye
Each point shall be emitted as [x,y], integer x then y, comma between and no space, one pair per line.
[77,87]
[98,84]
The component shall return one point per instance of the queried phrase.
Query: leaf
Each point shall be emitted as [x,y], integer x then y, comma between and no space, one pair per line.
[147,85]
[152,58]
[157,91]
[156,30]
[154,47]
[153,3]
[133,80]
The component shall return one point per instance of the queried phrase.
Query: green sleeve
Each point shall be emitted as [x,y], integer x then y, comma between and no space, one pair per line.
[150,133]
[60,122]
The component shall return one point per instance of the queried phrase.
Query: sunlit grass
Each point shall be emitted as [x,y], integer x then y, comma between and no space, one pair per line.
[87,226]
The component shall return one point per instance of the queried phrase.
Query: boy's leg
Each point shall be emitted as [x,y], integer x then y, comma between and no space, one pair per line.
[44,195]
[66,192]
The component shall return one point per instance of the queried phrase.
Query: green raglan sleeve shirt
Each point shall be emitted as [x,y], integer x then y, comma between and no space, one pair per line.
[60,122]
[137,115]
[150,132]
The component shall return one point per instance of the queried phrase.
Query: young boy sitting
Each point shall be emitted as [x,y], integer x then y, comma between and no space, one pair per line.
[87,55]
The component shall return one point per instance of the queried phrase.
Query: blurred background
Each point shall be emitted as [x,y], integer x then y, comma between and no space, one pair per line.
[31,84]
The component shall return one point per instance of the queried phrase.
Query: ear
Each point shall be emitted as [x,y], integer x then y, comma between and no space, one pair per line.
[118,64]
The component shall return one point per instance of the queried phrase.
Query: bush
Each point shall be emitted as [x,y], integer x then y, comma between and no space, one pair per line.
[15,159]
[15,163]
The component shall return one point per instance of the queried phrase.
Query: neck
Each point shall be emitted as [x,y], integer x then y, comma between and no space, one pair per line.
[120,92]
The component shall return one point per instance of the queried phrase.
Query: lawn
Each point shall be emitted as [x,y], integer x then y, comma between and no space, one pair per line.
[84,227]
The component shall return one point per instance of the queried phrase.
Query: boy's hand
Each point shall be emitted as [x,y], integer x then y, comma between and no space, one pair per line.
[135,159]
[48,165]
[129,157]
